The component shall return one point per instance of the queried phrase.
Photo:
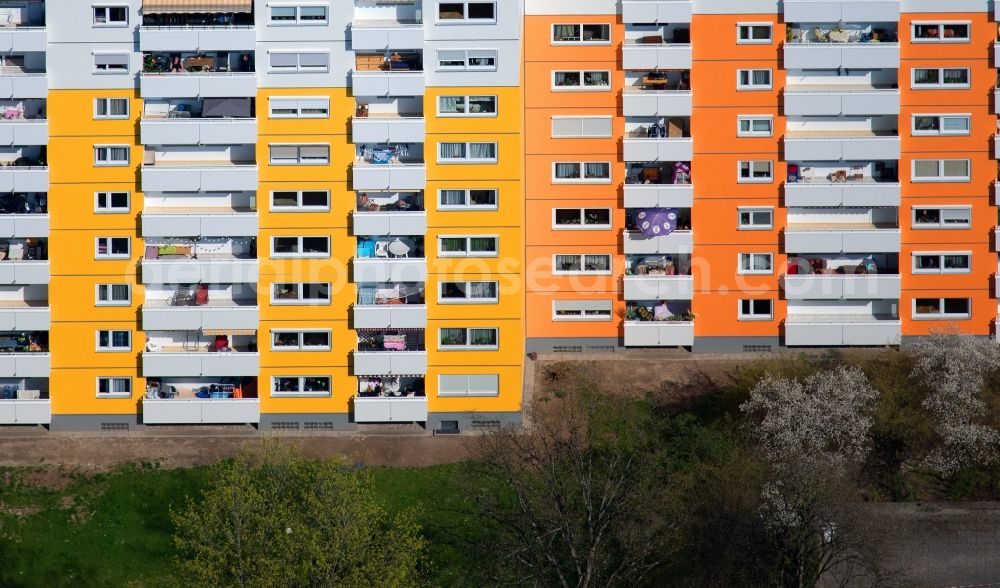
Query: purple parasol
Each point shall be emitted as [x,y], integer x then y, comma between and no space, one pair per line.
[656,222]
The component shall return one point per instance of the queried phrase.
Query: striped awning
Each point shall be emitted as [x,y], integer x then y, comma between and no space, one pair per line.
[214,332]
[195,6]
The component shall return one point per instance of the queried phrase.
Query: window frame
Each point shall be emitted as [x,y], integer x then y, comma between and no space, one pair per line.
[750,118]
[752,210]
[110,379]
[468,292]
[583,317]
[581,41]
[582,87]
[298,150]
[942,315]
[940,24]
[940,225]
[752,180]
[465,61]
[581,179]
[468,199]
[297,21]
[112,162]
[108,24]
[301,392]
[110,247]
[300,346]
[468,345]
[299,68]
[940,121]
[112,348]
[582,226]
[105,71]
[467,98]
[583,265]
[751,256]
[300,300]
[741,315]
[112,209]
[300,239]
[465,20]
[298,198]
[940,177]
[940,84]
[467,150]
[107,102]
[751,87]
[468,253]
[109,286]
[941,269]
[750,26]
[298,107]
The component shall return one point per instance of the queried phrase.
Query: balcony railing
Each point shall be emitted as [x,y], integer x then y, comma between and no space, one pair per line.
[846,329]
[659,334]
[841,11]
[841,286]
[375,35]
[26,411]
[198,85]
[205,176]
[842,238]
[193,411]
[841,101]
[26,315]
[835,145]
[203,363]
[169,222]
[390,410]
[866,192]
[388,129]
[389,177]
[198,131]
[238,315]
[656,11]
[197,38]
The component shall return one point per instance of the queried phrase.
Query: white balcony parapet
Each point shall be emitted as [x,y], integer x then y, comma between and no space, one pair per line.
[836,146]
[656,11]
[388,129]
[841,55]
[845,240]
[399,223]
[198,131]
[209,364]
[197,38]
[198,85]
[677,242]
[23,39]
[28,317]
[24,131]
[194,411]
[23,84]
[200,177]
[194,271]
[34,411]
[387,83]
[656,102]
[659,195]
[658,149]
[380,35]
[24,225]
[199,318]
[841,287]
[846,101]
[390,363]
[25,365]
[836,194]
[659,287]
[644,56]
[390,410]
[33,178]
[389,178]
[389,270]
[825,11]
[25,272]
[390,316]
[659,334]
[837,330]
[196,224]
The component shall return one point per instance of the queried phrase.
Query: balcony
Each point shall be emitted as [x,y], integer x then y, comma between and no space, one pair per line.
[16,82]
[381,35]
[25,364]
[25,315]
[234,315]
[389,223]
[37,411]
[198,131]
[658,149]
[23,131]
[821,145]
[200,363]
[208,261]
[23,225]
[23,38]
[866,192]
[390,316]
[656,11]
[200,411]
[841,287]
[658,185]
[198,85]
[388,363]
[841,10]
[638,101]
[198,176]
[841,101]
[197,222]
[197,38]
[393,176]
[401,74]
[376,128]
[24,178]
[836,330]
[653,55]
[390,410]
[659,334]
[396,260]
[841,238]
[659,287]
[815,55]
[677,242]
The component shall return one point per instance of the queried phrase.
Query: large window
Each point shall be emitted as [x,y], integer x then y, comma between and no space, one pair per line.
[467,152]
[572,264]
[467,59]
[114,340]
[941,32]
[942,217]
[753,33]
[753,79]
[300,386]
[300,200]
[113,295]
[469,385]
[754,126]
[300,154]
[949,262]
[111,155]
[111,16]
[754,309]
[460,106]
[577,127]
[756,172]
[112,248]
[581,218]
[295,340]
[581,34]
[467,12]
[942,308]
[111,202]
[468,246]
[311,14]
[474,199]
[114,387]
[581,310]
[595,172]
[310,246]
[110,108]
[468,292]
[754,218]
[941,170]
[942,124]
[300,293]
[299,61]
[940,77]
[756,263]
[468,338]
[576,80]
[299,107]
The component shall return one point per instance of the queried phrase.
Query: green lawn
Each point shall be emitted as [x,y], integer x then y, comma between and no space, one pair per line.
[114,529]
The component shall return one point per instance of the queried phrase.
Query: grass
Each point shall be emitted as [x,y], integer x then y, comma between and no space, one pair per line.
[114,529]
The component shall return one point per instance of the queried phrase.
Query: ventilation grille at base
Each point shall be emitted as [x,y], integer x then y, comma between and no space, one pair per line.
[318,426]
[756,349]
[114,426]
[567,349]
[284,426]
[485,424]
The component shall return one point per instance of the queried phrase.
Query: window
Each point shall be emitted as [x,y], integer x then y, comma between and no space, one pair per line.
[751,33]
[564,127]
[756,310]
[940,77]
[300,247]
[467,152]
[299,15]
[570,264]
[754,126]
[471,246]
[110,108]
[114,340]
[942,124]
[567,81]
[756,263]
[112,155]
[462,106]
[299,107]
[467,199]
[581,34]
[300,200]
[941,32]
[114,387]
[112,248]
[936,308]
[942,263]
[111,202]
[299,154]
[300,340]
[753,79]
[110,16]
[942,217]
[755,219]
[471,385]
[581,218]
[467,60]
[301,386]
[468,292]
[300,293]
[299,61]
[941,170]
[581,173]
[114,295]
[115,63]
[456,338]
[581,310]
[467,12]
[756,171]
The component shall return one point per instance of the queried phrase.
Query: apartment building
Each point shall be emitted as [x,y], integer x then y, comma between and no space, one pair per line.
[749,175]
[297,215]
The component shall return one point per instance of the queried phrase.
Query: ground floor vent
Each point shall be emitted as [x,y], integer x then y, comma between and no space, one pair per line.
[567,349]
[483,424]
[284,426]
[757,349]
[114,426]
[600,349]
[318,426]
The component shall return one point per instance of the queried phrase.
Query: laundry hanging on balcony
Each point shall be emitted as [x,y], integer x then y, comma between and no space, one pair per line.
[195,6]
[656,222]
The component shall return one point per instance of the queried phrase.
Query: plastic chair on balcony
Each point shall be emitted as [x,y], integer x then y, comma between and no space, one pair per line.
[381,249]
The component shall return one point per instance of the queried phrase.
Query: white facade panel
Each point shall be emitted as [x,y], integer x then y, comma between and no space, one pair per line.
[387,363]
[666,149]
[659,334]
[656,11]
[676,242]
[24,225]
[388,130]
[390,270]
[659,287]
[821,11]
[24,132]
[389,316]
[25,365]
[657,103]
[390,410]
[659,195]
[208,38]
[199,225]
[193,271]
[390,223]
[194,411]
[837,149]
[26,412]
[507,73]
[507,25]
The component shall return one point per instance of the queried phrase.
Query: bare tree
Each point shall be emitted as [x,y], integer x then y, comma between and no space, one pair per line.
[577,500]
